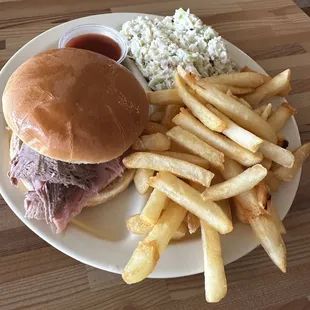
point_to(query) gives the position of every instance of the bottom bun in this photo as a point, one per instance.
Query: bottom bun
(108, 193)
(112, 190)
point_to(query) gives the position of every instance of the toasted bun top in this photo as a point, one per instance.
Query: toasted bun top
(75, 105)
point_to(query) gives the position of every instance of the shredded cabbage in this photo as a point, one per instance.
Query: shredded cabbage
(159, 46)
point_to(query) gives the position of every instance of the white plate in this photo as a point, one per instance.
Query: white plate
(179, 259)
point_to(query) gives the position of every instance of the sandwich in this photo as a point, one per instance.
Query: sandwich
(73, 115)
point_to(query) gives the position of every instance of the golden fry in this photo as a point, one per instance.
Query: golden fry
(247, 200)
(193, 222)
(267, 112)
(229, 106)
(141, 180)
(147, 254)
(238, 134)
(194, 159)
(226, 146)
(287, 174)
(138, 227)
(239, 79)
(190, 199)
(152, 128)
(270, 238)
(153, 207)
(170, 112)
(214, 272)
(198, 109)
(176, 166)
(224, 88)
(279, 83)
(280, 116)
(277, 154)
(197, 146)
(164, 97)
(153, 142)
(266, 78)
(236, 185)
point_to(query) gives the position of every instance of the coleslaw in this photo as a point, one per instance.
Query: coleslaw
(159, 46)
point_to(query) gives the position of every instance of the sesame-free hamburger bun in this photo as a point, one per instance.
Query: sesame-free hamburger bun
(75, 106)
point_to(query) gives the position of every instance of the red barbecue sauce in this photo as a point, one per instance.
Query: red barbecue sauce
(97, 43)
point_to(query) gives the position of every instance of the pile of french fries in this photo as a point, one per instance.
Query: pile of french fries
(208, 152)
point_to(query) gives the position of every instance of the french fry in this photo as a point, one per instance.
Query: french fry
(259, 110)
(272, 181)
(141, 180)
(138, 227)
(287, 174)
(266, 78)
(170, 112)
(146, 255)
(156, 116)
(280, 116)
(226, 146)
(224, 204)
(191, 200)
(270, 238)
(239, 79)
(245, 103)
(224, 88)
(164, 97)
(277, 154)
(267, 112)
(193, 222)
(197, 146)
(153, 207)
(198, 109)
(180, 232)
(264, 198)
(241, 100)
(196, 160)
(229, 106)
(247, 200)
(241, 214)
(285, 92)
(238, 134)
(176, 166)
(263, 195)
(214, 272)
(236, 185)
(276, 85)
(153, 142)
(153, 128)
(276, 218)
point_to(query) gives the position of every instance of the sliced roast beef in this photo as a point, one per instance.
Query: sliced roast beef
(60, 190)
(34, 206)
(29, 165)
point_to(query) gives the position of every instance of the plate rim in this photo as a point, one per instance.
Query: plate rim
(63, 248)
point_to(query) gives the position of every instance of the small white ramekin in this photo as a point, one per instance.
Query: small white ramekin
(97, 29)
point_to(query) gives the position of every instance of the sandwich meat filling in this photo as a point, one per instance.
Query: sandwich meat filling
(60, 189)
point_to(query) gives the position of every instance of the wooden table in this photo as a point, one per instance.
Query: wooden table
(33, 275)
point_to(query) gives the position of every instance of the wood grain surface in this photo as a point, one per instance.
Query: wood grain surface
(33, 275)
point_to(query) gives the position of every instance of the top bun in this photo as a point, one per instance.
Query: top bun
(75, 106)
